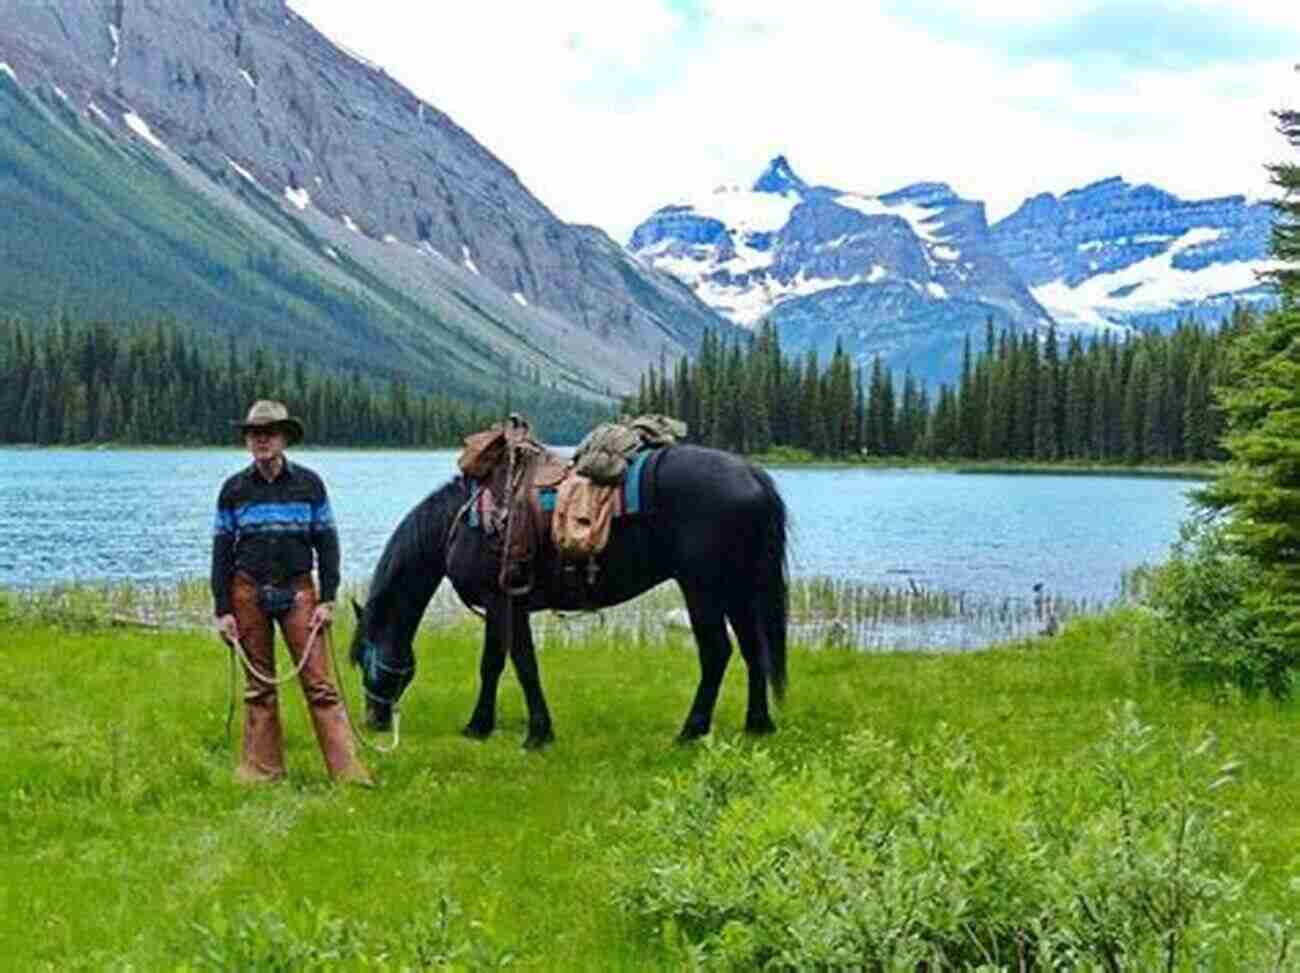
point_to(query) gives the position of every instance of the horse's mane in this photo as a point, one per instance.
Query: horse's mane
(419, 536)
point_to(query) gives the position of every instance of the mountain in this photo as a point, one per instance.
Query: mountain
(905, 275)
(1112, 253)
(223, 163)
(908, 274)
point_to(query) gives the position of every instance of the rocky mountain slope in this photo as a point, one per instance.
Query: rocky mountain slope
(1112, 253)
(904, 275)
(908, 274)
(227, 142)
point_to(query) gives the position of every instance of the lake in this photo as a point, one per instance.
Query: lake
(145, 516)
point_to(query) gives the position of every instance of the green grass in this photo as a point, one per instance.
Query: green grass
(128, 844)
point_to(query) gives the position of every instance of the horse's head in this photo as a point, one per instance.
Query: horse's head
(386, 663)
(410, 568)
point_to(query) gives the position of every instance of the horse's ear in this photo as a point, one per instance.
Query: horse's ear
(358, 609)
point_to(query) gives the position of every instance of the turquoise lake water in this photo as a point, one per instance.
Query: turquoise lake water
(146, 517)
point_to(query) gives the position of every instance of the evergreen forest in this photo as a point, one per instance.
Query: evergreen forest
(71, 383)
(1143, 398)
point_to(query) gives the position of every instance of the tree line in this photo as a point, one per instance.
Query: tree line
(1021, 395)
(94, 382)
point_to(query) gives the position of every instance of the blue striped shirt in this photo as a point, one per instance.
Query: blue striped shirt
(273, 530)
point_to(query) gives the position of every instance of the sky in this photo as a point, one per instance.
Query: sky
(609, 109)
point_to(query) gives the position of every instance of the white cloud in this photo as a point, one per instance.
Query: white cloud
(855, 98)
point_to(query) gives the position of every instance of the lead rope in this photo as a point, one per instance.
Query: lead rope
(237, 649)
(338, 677)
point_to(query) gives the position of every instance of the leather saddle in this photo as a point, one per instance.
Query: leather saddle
(511, 469)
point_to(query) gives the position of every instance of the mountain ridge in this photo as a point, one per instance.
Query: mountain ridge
(401, 200)
(908, 274)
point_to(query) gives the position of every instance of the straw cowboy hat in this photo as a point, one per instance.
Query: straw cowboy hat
(273, 415)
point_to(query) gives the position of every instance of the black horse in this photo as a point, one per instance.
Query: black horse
(718, 528)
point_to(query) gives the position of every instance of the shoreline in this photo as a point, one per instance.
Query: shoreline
(771, 460)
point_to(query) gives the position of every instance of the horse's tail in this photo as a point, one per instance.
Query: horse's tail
(772, 584)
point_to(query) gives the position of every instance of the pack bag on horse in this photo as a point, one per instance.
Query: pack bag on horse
(707, 519)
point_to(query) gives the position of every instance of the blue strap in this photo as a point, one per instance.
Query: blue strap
(475, 490)
(632, 482)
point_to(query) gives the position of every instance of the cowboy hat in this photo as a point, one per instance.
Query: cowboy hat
(265, 413)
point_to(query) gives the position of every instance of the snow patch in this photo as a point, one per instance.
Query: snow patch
(241, 170)
(744, 211)
(61, 93)
(99, 113)
(1150, 285)
(467, 260)
(389, 238)
(141, 128)
(347, 221)
(747, 304)
(943, 252)
(249, 78)
(117, 45)
(331, 253)
(937, 290)
(299, 197)
(919, 217)
(519, 298)
(6, 69)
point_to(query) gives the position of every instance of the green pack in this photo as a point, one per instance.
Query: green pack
(604, 453)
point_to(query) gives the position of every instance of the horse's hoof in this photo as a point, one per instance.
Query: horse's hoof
(760, 728)
(538, 741)
(476, 732)
(379, 726)
(690, 734)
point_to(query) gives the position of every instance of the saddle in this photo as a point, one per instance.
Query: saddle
(535, 501)
(510, 468)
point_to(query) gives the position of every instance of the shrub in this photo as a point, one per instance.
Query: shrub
(1211, 625)
(883, 857)
(307, 938)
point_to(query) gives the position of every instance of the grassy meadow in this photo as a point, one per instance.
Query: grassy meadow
(128, 845)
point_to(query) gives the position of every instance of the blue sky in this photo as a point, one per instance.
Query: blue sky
(609, 110)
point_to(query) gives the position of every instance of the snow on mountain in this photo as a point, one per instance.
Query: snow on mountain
(905, 274)
(908, 274)
(1112, 254)
(1153, 286)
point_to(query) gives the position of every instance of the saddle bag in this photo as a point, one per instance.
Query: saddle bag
(584, 514)
(603, 454)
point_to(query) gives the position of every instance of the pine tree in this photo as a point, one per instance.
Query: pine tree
(967, 405)
(1134, 421)
(1196, 412)
(1261, 402)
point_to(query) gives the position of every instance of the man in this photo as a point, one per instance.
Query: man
(272, 517)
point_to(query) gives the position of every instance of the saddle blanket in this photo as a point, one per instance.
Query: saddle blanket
(636, 494)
